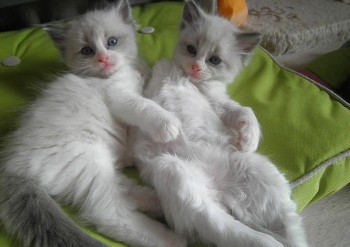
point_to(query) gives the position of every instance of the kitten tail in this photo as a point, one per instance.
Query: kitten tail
(30, 214)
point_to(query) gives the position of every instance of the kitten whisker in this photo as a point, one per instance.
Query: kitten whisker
(83, 71)
(241, 53)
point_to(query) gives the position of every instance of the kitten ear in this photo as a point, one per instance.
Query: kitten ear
(248, 41)
(57, 32)
(124, 11)
(208, 6)
(192, 13)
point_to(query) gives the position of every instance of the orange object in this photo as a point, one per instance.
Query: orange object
(234, 10)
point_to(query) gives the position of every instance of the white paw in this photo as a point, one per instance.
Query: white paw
(168, 130)
(265, 240)
(248, 130)
(174, 240)
(257, 240)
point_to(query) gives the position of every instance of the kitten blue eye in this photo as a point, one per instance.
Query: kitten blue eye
(215, 60)
(86, 51)
(191, 50)
(112, 41)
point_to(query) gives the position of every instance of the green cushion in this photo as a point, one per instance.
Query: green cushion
(305, 130)
(333, 67)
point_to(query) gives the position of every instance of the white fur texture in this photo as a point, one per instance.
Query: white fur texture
(73, 138)
(210, 182)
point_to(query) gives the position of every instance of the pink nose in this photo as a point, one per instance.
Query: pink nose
(196, 67)
(102, 58)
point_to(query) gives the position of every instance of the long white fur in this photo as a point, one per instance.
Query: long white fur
(211, 183)
(73, 138)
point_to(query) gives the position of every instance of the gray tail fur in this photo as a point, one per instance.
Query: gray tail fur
(28, 213)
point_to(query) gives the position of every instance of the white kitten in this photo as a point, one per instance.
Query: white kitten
(72, 143)
(207, 187)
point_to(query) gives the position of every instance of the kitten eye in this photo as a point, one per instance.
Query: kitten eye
(86, 51)
(191, 50)
(112, 41)
(215, 60)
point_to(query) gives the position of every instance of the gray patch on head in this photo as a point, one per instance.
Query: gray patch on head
(57, 32)
(248, 40)
(125, 11)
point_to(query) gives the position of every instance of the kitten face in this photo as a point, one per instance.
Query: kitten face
(211, 47)
(98, 43)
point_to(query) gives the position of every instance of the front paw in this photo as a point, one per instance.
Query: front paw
(167, 130)
(247, 127)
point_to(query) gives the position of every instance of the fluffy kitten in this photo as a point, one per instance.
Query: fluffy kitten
(73, 140)
(212, 185)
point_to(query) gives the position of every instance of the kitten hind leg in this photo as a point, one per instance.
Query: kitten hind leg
(259, 195)
(191, 205)
(115, 214)
(102, 196)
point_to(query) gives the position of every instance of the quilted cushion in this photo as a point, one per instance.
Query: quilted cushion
(305, 128)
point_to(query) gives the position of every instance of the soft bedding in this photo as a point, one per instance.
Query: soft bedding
(305, 128)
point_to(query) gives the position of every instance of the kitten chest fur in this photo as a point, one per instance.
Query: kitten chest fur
(200, 123)
(74, 110)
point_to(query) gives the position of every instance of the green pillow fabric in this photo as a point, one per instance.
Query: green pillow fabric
(333, 67)
(305, 130)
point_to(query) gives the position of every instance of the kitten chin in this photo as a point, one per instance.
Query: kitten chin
(196, 79)
(107, 70)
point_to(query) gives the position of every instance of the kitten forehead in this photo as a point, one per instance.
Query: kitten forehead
(211, 34)
(104, 21)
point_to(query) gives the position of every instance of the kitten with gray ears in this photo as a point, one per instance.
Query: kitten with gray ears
(212, 184)
(72, 143)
